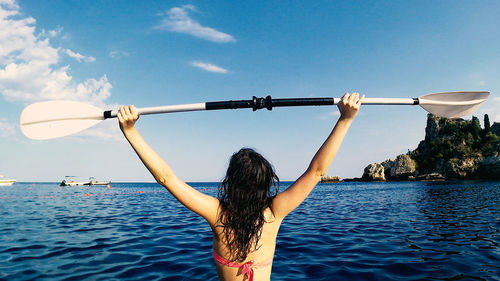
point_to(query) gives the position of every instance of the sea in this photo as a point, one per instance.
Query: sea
(342, 231)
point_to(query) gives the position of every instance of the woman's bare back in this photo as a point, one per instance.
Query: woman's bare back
(264, 253)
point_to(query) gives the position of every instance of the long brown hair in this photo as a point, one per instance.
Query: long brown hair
(244, 194)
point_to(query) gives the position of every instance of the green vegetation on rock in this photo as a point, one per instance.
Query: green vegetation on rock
(451, 145)
(452, 149)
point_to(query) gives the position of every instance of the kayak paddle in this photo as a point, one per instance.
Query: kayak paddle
(54, 119)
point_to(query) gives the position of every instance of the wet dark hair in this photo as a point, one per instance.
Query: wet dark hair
(244, 194)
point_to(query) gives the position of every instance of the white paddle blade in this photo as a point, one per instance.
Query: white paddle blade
(452, 104)
(55, 119)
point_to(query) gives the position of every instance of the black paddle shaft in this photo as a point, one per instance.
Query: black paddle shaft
(258, 103)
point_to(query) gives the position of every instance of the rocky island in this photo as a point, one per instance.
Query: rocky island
(330, 179)
(452, 149)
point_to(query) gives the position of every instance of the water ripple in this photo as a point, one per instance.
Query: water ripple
(346, 231)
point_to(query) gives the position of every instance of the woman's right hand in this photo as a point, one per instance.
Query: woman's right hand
(127, 116)
(349, 105)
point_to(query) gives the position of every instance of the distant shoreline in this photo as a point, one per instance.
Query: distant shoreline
(346, 180)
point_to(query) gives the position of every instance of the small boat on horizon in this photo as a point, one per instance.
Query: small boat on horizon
(6, 182)
(91, 182)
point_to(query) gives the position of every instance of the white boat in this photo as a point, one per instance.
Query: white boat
(73, 183)
(93, 181)
(6, 182)
(69, 182)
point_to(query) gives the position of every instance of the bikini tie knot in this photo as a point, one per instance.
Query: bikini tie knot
(247, 270)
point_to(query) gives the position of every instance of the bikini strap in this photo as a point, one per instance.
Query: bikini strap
(246, 268)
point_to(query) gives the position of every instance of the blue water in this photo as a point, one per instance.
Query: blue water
(346, 231)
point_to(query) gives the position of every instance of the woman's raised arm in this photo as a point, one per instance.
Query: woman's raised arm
(202, 204)
(288, 200)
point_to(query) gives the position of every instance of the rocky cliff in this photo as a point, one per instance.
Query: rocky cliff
(452, 149)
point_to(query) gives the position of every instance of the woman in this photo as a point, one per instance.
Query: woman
(246, 217)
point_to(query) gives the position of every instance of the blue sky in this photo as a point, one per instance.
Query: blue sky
(151, 53)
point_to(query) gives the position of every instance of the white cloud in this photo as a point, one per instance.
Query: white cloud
(55, 32)
(51, 33)
(79, 57)
(118, 54)
(6, 129)
(30, 67)
(209, 67)
(329, 115)
(9, 4)
(177, 19)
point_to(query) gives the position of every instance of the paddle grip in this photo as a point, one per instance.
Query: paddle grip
(259, 103)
